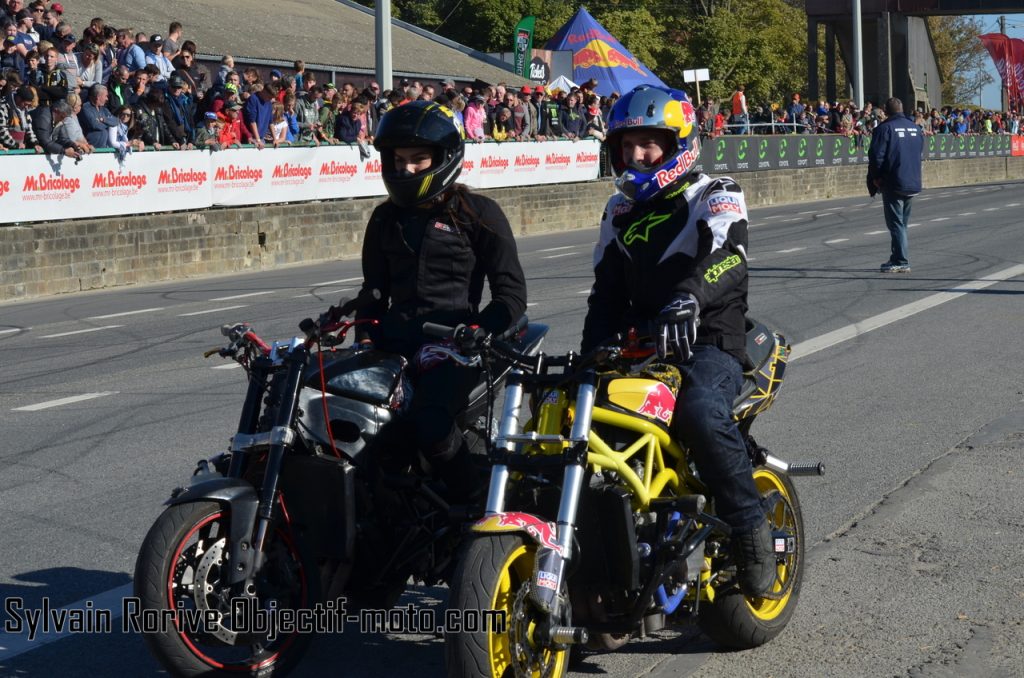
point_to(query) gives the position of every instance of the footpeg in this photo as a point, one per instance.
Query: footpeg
(569, 635)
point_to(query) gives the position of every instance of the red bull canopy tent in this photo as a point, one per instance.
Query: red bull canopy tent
(598, 55)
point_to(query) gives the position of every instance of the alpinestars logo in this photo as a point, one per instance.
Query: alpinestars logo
(641, 230)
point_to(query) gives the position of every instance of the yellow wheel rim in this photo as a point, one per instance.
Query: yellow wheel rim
(781, 517)
(517, 570)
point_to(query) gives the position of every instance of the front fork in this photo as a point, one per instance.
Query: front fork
(550, 563)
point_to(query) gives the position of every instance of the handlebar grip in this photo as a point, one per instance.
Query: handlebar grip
(806, 468)
(436, 330)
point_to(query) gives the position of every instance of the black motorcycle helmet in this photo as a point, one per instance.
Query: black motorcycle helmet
(419, 123)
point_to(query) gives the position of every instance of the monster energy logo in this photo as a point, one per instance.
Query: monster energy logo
(714, 273)
(633, 233)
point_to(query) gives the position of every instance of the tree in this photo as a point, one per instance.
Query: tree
(961, 56)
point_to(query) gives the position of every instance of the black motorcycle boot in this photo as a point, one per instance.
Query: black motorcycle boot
(755, 560)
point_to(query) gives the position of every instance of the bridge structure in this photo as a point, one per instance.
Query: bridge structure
(899, 55)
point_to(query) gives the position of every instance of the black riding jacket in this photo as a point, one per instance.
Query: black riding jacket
(652, 252)
(429, 266)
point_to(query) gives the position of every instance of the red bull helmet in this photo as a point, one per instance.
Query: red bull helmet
(419, 123)
(653, 107)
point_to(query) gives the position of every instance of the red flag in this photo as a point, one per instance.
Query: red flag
(998, 46)
(1017, 52)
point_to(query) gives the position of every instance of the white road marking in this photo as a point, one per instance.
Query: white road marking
(792, 249)
(811, 346)
(118, 315)
(786, 221)
(921, 199)
(242, 296)
(531, 304)
(967, 214)
(336, 282)
(16, 329)
(774, 216)
(1013, 204)
(91, 329)
(830, 242)
(875, 232)
(941, 219)
(913, 225)
(212, 310)
(558, 256)
(57, 403)
(14, 644)
(555, 249)
(583, 292)
(992, 209)
(226, 366)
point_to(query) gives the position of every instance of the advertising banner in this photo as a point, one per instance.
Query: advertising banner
(522, 45)
(41, 188)
(45, 188)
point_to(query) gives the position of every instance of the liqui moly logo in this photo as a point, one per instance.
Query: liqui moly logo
(557, 160)
(527, 161)
(659, 403)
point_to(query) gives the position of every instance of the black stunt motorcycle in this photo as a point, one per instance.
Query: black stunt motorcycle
(309, 504)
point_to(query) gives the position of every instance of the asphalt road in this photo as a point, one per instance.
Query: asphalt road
(908, 387)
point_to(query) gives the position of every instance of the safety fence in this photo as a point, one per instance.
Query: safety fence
(48, 188)
(796, 151)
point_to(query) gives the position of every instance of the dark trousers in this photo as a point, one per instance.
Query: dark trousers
(897, 217)
(703, 423)
(439, 394)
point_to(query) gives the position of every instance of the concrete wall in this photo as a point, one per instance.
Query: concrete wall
(58, 257)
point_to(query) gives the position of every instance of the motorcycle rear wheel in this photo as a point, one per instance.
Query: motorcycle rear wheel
(180, 567)
(743, 622)
(492, 575)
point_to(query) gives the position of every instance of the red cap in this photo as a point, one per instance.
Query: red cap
(539, 89)
(525, 90)
(57, 7)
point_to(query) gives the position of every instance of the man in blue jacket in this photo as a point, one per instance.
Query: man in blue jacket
(894, 167)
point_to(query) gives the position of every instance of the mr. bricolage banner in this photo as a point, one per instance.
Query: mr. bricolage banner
(43, 188)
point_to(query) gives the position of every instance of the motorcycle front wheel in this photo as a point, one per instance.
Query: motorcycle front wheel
(743, 622)
(492, 580)
(181, 578)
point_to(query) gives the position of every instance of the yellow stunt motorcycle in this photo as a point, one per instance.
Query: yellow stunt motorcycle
(597, 528)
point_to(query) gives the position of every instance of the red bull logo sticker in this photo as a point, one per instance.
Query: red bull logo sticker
(602, 55)
(544, 533)
(659, 403)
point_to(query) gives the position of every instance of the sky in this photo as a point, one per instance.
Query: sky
(1015, 29)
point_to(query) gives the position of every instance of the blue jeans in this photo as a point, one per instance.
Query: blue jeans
(703, 423)
(897, 216)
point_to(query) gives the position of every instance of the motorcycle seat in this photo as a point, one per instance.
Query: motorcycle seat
(760, 345)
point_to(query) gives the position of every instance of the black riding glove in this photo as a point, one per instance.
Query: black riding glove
(676, 328)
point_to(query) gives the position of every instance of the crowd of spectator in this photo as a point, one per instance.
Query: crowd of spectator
(115, 88)
(824, 117)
